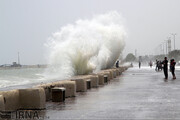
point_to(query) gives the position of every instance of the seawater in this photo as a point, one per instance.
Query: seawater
(21, 76)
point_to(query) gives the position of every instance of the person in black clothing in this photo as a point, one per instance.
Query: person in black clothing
(157, 63)
(117, 64)
(160, 66)
(165, 63)
(172, 67)
(139, 64)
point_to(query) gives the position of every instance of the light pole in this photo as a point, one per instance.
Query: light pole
(162, 48)
(174, 35)
(169, 44)
(166, 46)
(18, 59)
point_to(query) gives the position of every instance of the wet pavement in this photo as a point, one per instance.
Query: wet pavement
(137, 94)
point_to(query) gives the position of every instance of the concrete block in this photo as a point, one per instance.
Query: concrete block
(121, 69)
(94, 79)
(117, 72)
(58, 94)
(69, 85)
(2, 105)
(101, 78)
(88, 83)
(11, 100)
(32, 98)
(114, 73)
(105, 78)
(111, 74)
(47, 89)
(81, 85)
(106, 73)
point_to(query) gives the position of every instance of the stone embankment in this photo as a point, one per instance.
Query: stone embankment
(35, 98)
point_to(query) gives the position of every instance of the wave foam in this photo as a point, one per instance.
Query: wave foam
(86, 46)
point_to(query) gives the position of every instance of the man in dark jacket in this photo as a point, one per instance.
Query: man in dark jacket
(172, 67)
(165, 63)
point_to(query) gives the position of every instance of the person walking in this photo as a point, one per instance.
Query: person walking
(160, 66)
(172, 64)
(150, 64)
(157, 63)
(117, 64)
(165, 63)
(139, 64)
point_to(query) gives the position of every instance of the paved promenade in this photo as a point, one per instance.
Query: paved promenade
(137, 94)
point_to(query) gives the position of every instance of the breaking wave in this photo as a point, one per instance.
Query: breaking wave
(86, 46)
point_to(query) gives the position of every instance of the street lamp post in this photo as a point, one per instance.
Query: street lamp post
(166, 41)
(174, 35)
(163, 48)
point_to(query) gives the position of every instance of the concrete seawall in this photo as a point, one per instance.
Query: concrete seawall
(36, 97)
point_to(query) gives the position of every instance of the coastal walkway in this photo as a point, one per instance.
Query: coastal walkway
(136, 94)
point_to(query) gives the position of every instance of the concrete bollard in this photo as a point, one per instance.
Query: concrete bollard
(58, 94)
(69, 85)
(94, 79)
(106, 73)
(2, 105)
(101, 78)
(105, 78)
(47, 89)
(70, 88)
(11, 100)
(88, 83)
(117, 72)
(114, 73)
(121, 69)
(110, 73)
(81, 85)
(32, 98)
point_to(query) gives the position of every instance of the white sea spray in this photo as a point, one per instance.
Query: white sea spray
(86, 46)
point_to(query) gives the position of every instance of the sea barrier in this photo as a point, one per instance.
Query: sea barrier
(10, 100)
(2, 105)
(31, 98)
(36, 97)
(68, 84)
(106, 73)
(111, 75)
(81, 84)
(101, 78)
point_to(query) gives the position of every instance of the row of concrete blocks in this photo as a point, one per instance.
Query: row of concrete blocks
(35, 98)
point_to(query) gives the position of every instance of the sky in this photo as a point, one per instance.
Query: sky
(26, 25)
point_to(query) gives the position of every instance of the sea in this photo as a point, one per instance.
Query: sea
(21, 77)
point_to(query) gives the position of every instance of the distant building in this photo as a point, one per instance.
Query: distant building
(6, 65)
(15, 65)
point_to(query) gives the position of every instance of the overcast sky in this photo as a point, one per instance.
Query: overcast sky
(25, 25)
